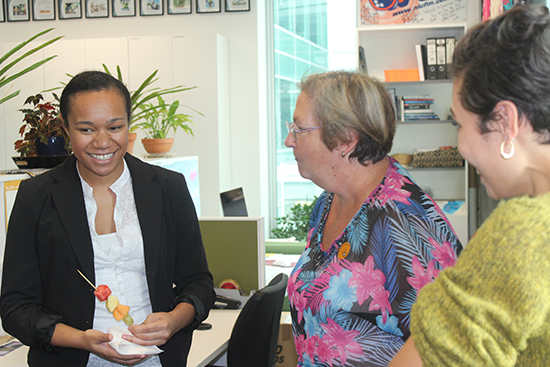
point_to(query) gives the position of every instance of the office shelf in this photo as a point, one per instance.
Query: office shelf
(393, 47)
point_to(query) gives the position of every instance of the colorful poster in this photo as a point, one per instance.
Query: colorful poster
(18, 10)
(70, 9)
(383, 12)
(124, 8)
(43, 10)
(179, 6)
(493, 8)
(97, 9)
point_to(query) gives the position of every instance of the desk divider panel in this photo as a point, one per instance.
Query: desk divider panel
(235, 249)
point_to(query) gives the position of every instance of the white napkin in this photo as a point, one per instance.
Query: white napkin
(124, 347)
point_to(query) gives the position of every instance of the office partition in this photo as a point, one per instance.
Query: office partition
(235, 250)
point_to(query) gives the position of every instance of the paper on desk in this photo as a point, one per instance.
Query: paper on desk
(282, 260)
(124, 347)
(8, 344)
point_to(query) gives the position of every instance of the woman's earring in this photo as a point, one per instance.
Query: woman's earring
(343, 153)
(503, 153)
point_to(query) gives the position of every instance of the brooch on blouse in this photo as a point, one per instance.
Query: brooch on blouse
(344, 250)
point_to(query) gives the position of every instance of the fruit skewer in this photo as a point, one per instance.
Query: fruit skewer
(103, 293)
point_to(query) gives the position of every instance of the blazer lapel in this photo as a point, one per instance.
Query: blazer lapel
(69, 201)
(148, 198)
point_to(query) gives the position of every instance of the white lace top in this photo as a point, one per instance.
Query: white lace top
(119, 262)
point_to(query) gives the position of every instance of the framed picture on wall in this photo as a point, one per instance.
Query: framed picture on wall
(237, 5)
(208, 6)
(124, 8)
(179, 6)
(70, 9)
(151, 7)
(2, 12)
(17, 10)
(43, 10)
(97, 8)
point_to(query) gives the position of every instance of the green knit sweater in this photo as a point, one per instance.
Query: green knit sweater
(493, 307)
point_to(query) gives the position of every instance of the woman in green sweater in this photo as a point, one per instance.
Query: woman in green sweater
(493, 307)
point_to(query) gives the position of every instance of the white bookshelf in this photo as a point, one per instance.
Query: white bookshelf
(393, 47)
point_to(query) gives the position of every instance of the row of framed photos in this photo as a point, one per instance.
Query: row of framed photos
(19, 10)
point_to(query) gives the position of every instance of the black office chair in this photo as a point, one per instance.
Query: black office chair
(253, 341)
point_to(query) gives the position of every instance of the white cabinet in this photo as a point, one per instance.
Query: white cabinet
(393, 47)
(9, 184)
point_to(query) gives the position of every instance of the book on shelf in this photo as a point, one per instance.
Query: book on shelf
(416, 101)
(414, 97)
(419, 114)
(417, 111)
(450, 49)
(421, 118)
(393, 97)
(431, 58)
(419, 102)
(416, 107)
(441, 52)
(431, 116)
(362, 60)
(439, 55)
(421, 61)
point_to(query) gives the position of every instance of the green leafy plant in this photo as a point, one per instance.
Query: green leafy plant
(145, 94)
(295, 224)
(41, 122)
(13, 53)
(160, 118)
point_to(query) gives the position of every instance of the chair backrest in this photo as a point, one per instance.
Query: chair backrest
(253, 341)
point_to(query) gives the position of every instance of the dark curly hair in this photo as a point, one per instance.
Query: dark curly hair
(507, 58)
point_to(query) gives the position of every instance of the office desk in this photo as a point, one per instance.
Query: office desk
(207, 345)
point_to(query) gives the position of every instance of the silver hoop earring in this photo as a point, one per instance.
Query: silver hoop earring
(503, 153)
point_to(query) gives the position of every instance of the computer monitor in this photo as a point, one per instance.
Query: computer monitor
(233, 203)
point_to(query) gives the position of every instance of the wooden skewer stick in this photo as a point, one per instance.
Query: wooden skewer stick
(86, 279)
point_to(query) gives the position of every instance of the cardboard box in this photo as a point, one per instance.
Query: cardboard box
(286, 351)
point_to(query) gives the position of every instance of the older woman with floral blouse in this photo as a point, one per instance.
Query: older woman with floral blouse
(375, 237)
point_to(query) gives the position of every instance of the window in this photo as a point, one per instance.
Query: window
(309, 36)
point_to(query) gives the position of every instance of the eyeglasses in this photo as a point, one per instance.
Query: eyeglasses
(293, 131)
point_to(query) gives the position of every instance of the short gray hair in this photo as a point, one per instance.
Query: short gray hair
(347, 104)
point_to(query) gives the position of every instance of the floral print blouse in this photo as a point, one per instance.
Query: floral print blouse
(351, 305)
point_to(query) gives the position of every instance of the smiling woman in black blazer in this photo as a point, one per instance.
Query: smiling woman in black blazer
(62, 218)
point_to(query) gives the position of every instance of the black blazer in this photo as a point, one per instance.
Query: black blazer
(49, 239)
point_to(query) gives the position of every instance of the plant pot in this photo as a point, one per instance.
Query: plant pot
(131, 141)
(55, 146)
(49, 161)
(157, 145)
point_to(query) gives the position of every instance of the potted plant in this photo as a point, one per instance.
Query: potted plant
(141, 96)
(5, 79)
(158, 120)
(42, 133)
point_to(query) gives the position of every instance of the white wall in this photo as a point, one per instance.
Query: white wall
(216, 52)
